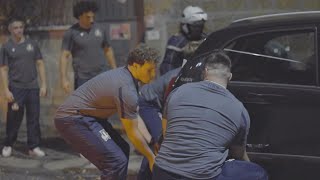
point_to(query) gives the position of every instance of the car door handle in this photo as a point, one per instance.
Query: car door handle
(266, 95)
(254, 98)
(258, 146)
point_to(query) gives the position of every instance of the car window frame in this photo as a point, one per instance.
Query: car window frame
(293, 29)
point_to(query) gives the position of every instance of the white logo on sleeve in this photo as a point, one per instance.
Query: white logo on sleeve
(104, 135)
(98, 33)
(29, 47)
(82, 34)
(13, 49)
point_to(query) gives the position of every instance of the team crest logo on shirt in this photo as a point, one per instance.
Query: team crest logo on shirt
(13, 49)
(82, 34)
(98, 33)
(29, 47)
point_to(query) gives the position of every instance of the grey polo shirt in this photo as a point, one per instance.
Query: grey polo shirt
(87, 49)
(204, 119)
(109, 92)
(154, 92)
(21, 59)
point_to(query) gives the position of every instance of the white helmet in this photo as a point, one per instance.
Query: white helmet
(192, 14)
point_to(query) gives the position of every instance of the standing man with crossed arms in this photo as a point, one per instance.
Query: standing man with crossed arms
(86, 43)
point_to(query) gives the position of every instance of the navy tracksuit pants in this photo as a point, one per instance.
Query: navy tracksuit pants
(26, 99)
(99, 143)
(231, 170)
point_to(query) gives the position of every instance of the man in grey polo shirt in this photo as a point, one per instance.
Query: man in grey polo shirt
(205, 122)
(152, 97)
(82, 118)
(19, 59)
(87, 44)
(151, 100)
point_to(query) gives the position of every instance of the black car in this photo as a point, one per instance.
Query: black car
(275, 66)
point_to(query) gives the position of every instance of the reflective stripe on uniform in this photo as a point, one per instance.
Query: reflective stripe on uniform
(174, 48)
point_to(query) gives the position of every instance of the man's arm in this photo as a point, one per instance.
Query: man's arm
(239, 153)
(143, 130)
(108, 51)
(173, 55)
(238, 147)
(43, 79)
(164, 115)
(164, 126)
(4, 73)
(138, 141)
(64, 62)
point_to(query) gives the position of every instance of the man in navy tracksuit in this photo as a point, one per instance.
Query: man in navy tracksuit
(151, 102)
(180, 47)
(19, 59)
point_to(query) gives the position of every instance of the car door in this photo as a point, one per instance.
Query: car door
(275, 75)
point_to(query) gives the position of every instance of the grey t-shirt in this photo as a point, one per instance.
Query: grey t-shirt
(87, 49)
(204, 119)
(109, 92)
(21, 59)
(154, 92)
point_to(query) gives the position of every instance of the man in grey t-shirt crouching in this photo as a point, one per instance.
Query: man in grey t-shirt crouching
(205, 123)
(82, 120)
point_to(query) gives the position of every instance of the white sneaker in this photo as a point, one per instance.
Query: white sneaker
(6, 151)
(37, 152)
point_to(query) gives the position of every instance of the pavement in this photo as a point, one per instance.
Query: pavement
(60, 163)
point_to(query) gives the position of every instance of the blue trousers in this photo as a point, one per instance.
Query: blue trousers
(231, 170)
(99, 143)
(149, 114)
(26, 99)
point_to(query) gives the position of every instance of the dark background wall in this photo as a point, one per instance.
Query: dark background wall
(48, 19)
(167, 13)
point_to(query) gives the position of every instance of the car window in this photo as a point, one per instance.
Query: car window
(274, 57)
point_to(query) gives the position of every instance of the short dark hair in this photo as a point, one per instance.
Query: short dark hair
(143, 53)
(83, 7)
(218, 60)
(15, 19)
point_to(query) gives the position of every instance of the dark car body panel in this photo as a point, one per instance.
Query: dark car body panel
(285, 117)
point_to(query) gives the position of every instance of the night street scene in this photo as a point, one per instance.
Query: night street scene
(159, 90)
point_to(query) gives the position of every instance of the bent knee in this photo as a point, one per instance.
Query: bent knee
(123, 162)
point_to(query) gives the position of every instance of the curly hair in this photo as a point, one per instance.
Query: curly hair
(143, 53)
(83, 7)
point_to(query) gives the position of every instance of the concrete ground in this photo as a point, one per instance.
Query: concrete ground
(60, 163)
